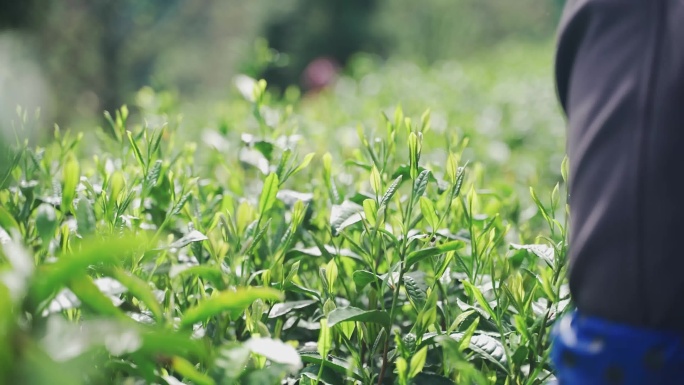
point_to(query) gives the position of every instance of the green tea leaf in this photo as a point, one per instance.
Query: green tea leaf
(451, 347)
(348, 328)
(268, 193)
(329, 306)
(324, 338)
(153, 174)
(460, 319)
(414, 154)
(464, 343)
(141, 290)
(305, 162)
(391, 191)
(344, 215)
(546, 253)
(52, 277)
(417, 362)
(427, 208)
(233, 301)
(136, 149)
(452, 167)
(161, 342)
(46, 222)
(280, 309)
(375, 180)
(331, 275)
(419, 255)
(402, 369)
(7, 221)
(315, 251)
(417, 296)
(89, 294)
(188, 370)
(71, 174)
(420, 184)
(370, 209)
(211, 273)
(477, 294)
(303, 290)
(254, 242)
(179, 205)
(117, 184)
(85, 217)
(344, 314)
(275, 351)
(327, 166)
(522, 327)
(363, 278)
(490, 349)
(191, 237)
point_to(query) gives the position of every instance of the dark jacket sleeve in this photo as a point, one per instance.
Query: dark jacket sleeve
(620, 80)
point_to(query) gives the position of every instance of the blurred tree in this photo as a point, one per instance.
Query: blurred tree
(97, 53)
(306, 30)
(18, 14)
(427, 31)
(433, 30)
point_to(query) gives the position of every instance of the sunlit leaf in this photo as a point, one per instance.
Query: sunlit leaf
(314, 251)
(355, 314)
(85, 217)
(71, 174)
(477, 295)
(417, 362)
(268, 193)
(363, 278)
(546, 253)
(344, 215)
(233, 301)
(324, 338)
(188, 370)
(281, 309)
(427, 208)
(419, 255)
(52, 277)
(276, 351)
(46, 222)
(191, 237)
(92, 297)
(141, 290)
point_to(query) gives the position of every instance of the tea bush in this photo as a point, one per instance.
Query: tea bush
(275, 249)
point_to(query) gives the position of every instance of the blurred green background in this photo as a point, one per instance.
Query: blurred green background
(76, 58)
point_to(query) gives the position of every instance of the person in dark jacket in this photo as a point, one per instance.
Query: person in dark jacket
(620, 81)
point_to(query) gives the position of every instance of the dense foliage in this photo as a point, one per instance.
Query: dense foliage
(277, 249)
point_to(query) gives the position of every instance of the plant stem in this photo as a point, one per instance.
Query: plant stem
(320, 371)
(395, 296)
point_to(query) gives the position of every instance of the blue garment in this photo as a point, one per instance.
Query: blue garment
(592, 351)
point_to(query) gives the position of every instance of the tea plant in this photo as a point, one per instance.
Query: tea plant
(138, 257)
